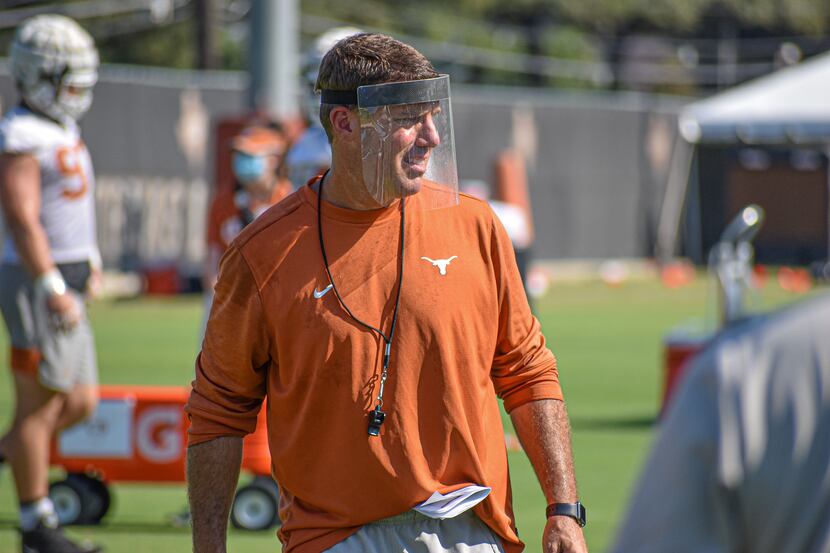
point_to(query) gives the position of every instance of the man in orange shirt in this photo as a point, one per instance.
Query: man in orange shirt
(381, 313)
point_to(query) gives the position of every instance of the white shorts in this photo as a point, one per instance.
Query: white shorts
(60, 359)
(413, 532)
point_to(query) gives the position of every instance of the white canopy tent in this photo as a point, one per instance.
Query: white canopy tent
(790, 106)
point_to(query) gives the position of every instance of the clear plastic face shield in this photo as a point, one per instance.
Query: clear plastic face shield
(406, 142)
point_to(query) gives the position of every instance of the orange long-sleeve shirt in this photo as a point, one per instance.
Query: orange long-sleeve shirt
(464, 335)
(224, 220)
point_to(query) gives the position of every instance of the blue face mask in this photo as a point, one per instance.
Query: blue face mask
(247, 168)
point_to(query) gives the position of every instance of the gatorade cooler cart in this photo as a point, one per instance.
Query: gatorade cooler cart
(730, 261)
(139, 434)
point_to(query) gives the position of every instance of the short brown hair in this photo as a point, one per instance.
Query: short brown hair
(366, 59)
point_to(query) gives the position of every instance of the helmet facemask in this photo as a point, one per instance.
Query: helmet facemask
(55, 65)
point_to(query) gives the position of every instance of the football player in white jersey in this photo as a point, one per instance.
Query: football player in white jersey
(310, 155)
(47, 198)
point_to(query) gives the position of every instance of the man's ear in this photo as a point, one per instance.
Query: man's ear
(341, 120)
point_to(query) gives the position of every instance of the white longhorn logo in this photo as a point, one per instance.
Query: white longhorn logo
(440, 263)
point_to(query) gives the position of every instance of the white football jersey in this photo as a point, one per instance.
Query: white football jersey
(67, 183)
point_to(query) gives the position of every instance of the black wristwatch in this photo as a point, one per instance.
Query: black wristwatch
(574, 510)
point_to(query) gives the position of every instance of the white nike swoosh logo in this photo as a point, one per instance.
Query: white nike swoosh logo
(320, 293)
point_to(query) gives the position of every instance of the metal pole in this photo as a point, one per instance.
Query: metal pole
(206, 34)
(273, 64)
(674, 197)
(727, 54)
(827, 263)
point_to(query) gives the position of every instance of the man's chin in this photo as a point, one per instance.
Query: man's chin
(408, 185)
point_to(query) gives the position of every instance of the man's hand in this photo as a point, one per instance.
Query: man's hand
(563, 535)
(63, 310)
(63, 307)
(95, 283)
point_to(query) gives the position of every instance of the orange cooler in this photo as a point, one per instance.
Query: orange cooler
(679, 350)
(139, 434)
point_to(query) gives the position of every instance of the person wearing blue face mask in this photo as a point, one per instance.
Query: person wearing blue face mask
(257, 165)
(249, 169)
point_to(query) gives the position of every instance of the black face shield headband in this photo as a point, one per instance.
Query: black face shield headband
(390, 94)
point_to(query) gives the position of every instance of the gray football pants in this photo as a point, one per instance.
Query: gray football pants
(412, 532)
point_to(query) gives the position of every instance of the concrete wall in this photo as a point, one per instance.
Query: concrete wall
(596, 161)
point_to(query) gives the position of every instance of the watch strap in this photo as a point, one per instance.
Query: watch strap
(574, 510)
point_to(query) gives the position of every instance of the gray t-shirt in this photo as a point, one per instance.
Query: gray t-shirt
(742, 460)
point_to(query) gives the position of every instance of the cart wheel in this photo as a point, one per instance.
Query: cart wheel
(255, 505)
(79, 499)
(100, 501)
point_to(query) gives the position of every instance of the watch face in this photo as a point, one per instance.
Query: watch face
(582, 518)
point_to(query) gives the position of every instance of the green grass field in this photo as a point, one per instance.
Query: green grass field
(608, 342)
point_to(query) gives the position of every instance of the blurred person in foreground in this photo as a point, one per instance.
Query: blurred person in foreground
(380, 313)
(257, 154)
(742, 459)
(50, 255)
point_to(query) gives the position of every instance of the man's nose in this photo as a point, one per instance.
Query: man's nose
(428, 136)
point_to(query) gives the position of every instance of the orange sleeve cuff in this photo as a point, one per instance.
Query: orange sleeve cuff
(204, 428)
(194, 439)
(545, 390)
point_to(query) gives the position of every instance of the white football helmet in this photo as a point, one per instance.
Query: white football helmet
(311, 66)
(55, 65)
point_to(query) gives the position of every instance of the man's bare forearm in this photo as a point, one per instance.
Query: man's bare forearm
(543, 429)
(33, 247)
(212, 473)
(20, 201)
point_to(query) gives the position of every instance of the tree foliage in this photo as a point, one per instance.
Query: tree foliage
(578, 30)
(800, 16)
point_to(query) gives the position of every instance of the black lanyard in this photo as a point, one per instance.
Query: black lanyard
(376, 416)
